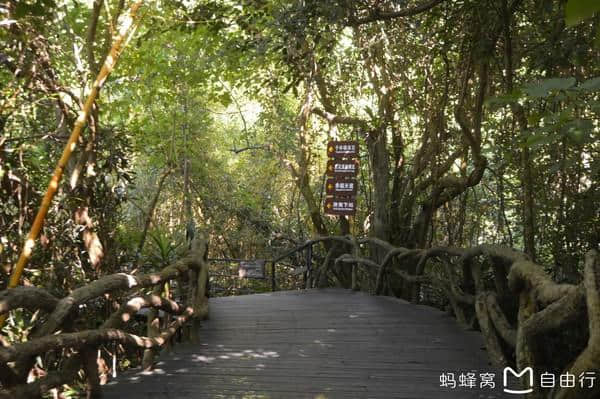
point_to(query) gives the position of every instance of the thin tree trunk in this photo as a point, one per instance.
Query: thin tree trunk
(150, 213)
(528, 204)
(526, 172)
(301, 173)
(380, 170)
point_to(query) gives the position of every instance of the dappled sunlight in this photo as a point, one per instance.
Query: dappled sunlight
(203, 359)
(131, 280)
(154, 371)
(322, 344)
(230, 354)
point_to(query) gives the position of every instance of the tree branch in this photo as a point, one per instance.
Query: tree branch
(89, 338)
(119, 281)
(378, 15)
(251, 147)
(30, 298)
(129, 309)
(340, 119)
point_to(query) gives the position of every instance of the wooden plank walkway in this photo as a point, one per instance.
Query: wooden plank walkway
(316, 344)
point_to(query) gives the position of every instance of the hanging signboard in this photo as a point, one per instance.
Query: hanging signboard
(340, 206)
(252, 269)
(342, 149)
(341, 187)
(340, 168)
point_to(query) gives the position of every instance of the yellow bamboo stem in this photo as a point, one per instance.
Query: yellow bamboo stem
(109, 64)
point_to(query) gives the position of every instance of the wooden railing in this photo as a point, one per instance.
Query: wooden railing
(511, 300)
(77, 349)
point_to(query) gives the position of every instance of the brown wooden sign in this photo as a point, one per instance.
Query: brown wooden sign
(340, 206)
(341, 168)
(252, 269)
(341, 187)
(342, 149)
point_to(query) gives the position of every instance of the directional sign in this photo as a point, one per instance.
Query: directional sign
(342, 149)
(341, 187)
(341, 168)
(340, 206)
(252, 269)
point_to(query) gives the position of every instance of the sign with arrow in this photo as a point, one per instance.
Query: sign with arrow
(340, 206)
(342, 168)
(341, 187)
(342, 149)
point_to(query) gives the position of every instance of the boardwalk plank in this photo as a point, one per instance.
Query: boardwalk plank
(315, 344)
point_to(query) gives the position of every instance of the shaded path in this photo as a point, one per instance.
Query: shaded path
(299, 344)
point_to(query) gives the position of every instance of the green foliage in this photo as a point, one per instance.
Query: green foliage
(163, 251)
(547, 86)
(37, 8)
(578, 10)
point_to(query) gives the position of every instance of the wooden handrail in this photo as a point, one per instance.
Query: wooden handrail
(192, 268)
(544, 305)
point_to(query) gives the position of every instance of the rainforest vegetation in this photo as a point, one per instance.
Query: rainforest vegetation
(478, 124)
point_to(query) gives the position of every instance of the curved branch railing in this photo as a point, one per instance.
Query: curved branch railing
(539, 306)
(542, 306)
(79, 347)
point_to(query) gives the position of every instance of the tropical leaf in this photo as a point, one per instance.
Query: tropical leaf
(544, 87)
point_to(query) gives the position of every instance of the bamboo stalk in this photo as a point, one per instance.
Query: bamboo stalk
(119, 43)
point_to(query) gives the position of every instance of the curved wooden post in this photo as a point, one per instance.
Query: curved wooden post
(198, 295)
(309, 274)
(152, 330)
(356, 254)
(92, 378)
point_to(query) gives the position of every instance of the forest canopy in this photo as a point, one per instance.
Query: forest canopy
(478, 123)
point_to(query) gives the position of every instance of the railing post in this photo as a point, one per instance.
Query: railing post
(308, 267)
(198, 283)
(92, 377)
(273, 276)
(153, 330)
(356, 254)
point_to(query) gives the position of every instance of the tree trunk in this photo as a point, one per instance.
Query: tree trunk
(150, 213)
(528, 203)
(526, 172)
(380, 170)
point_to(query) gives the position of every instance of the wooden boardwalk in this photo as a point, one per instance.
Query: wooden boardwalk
(316, 344)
